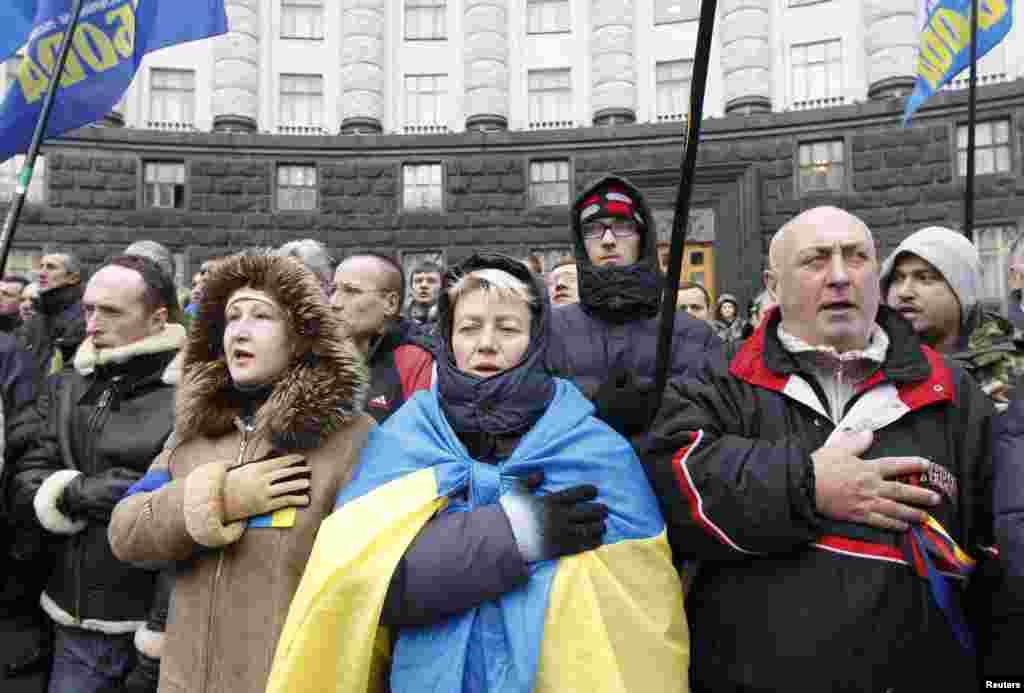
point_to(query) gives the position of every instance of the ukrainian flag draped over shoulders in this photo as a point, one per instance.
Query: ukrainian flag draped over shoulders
(944, 49)
(604, 621)
(109, 43)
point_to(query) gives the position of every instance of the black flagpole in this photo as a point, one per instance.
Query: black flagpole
(25, 175)
(680, 222)
(972, 106)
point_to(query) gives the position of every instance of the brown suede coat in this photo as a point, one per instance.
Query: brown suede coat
(233, 583)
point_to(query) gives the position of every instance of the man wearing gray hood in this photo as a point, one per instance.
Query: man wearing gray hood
(933, 279)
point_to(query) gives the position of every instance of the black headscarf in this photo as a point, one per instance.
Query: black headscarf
(510, 402)
(619, 294)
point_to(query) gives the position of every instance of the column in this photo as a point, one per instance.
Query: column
(236, 69)
(485, 55)
(613, 74)
(362, 66)
(891, 45)
(746, 55)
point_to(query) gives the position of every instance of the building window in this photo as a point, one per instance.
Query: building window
(296, 187)
(547, 16)
(165, 184)
(9, 171)
(991, 147)
(817, 74)
(302, 19)
(550, 98)
(302, 105)
(994, 244)
(549, 182)
(172, 99)
(822, 166)
(697, 257)
(424, 19)
(669, 11)
(673, 89)
(425, 97)
(423, 184)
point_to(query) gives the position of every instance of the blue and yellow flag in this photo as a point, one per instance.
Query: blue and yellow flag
(15, 25)
(604, 621)
(945, 44)
(109, 43)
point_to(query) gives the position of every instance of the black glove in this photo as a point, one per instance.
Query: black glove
(94, 496)
(559, 524)
(623, 405)
(144, 677)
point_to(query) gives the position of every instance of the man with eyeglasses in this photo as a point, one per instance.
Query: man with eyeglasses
(606, 343)
(367, 294)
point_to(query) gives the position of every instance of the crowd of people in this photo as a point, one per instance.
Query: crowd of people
(303, 475)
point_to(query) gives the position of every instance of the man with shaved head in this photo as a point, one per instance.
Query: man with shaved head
(820, 474)
(367, 295)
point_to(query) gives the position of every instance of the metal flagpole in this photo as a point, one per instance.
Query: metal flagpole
(972, 106)
(680, 222)
(25, 175)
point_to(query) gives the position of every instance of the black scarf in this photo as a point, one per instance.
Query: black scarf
(249, 398)
(620, 294)
(510, 402)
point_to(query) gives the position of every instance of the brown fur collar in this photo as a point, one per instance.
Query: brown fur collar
(320, 391)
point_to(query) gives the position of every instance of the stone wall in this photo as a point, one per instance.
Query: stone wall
(896, 179)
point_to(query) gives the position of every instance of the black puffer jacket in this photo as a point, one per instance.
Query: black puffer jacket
(112, 411)
(786, 599)
(615, 324)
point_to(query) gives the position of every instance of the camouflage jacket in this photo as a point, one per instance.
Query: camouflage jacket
(994, 355)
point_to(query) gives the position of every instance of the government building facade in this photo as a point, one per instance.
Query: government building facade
(432, 128)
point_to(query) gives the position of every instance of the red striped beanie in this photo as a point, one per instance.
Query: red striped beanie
(612, 201)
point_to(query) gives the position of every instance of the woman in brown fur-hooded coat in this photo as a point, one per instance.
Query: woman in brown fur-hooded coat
(235, 571)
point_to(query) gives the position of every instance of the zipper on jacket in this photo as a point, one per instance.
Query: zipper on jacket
(245, 430)
(92, 431)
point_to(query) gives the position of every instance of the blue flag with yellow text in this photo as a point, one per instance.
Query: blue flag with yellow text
(109, 43)
(945, 42)
(15, 25)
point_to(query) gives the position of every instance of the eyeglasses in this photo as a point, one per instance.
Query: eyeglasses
(620, 229)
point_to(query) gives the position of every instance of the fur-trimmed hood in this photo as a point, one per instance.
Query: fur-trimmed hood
(321, 390)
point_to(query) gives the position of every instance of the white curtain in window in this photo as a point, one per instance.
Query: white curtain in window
(172, 96)
(302, 100)
(302, 19)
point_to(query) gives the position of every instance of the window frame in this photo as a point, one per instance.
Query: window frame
(278, 165)
(144, 164)
(38, 185)
(826, 98)
(797, 182)
(547, 32)
(1012, 150)
(661, 20)
(1003, 262)
(565, 120)
(281, 93)
(151, 119)
(570, 171)
(440, 6)
(303, 4)
(666, 117)
(441, 103)
(444, 177)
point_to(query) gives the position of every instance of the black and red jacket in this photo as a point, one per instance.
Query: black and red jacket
(400, 364)
(784, 598)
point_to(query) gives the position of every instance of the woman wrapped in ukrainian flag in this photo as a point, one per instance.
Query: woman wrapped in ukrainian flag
(497, 537)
